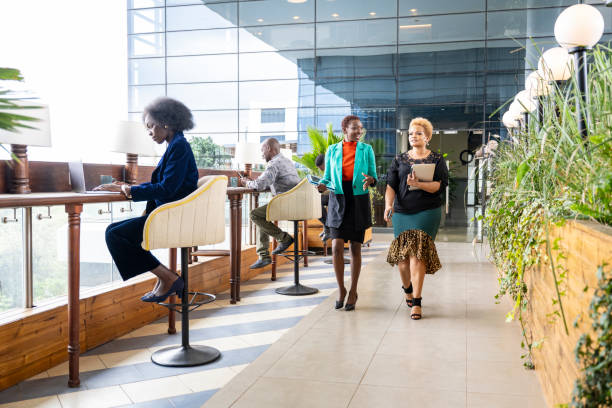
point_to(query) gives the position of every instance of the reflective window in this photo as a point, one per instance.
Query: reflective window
(517, 55)
(354, 10)
(356, 33)
(522, 23)
(215, 121)
(146, 21)
(223, 95)
(276, 65)
(517, 4)
(11, 259)
(275, 38)
(447, 88)
(140, 96)
(146, 45)
(502, 86)
(376, 118)
(201, 16)
(383, 144)
(460, 27)
(146, 71)
(361, 92)
(442, 58)
(266, 12)
(295, 120)
(202, 42)
(205, 68)
(424, 7)
(356, 62)
(276, 94)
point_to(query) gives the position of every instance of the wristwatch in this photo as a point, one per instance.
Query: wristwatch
(124, 190)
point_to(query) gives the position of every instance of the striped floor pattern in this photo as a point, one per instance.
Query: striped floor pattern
(120, 373)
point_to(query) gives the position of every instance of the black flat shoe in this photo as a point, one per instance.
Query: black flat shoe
(408, 291)
(351, 306)
(261, 263)
(282, 247)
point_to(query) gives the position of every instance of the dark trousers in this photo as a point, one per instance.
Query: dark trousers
(124, 239)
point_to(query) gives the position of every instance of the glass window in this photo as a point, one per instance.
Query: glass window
(459, 27)
(276, 94)
(356, 62)
(446, 116)
(425, 7)
(502, 86)
(140, 96)
(382, 142)
(276, 65)
(376, 118)
(266, 12)
(519, 4)
(517, 55)
(221, 41)
(522, 23)
(146, 21)
(146, 71)
(446, 88)
(295, 120)
(205, 68)
(134, 4)
(146, 45)
(356, 33)
(215, 121)
(11, 260)
(201, 16)
(361, 92)
(355, 10)
(442, 58)
(275, 38)
(223, 95)
(272, 115)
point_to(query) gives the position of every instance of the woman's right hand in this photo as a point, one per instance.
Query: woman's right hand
(321, 188)
(388, 213)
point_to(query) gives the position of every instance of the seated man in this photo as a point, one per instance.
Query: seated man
(280, 175)
(320, 163)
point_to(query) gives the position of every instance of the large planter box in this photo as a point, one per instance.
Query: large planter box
(586, 246)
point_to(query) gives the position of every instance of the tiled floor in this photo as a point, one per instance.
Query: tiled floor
(280, 351)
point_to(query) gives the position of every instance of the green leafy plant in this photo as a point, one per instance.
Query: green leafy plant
(208, 154)
(319, 143)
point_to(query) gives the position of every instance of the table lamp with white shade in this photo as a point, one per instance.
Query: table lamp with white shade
(288, 153)
(131, 138)
(248, 154)
(38, 134)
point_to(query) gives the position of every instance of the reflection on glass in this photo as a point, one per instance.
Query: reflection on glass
(424, 7)
(140, 96)
(276, 94)
(266, 12)
(205, 68)
(356, 62)
(146, 71)
(522, 23)
(275, 38)
(517, 54)
(201, 16)
(515, 4)
(134, 4)
(295, 120)
(361, 92)
(215, 121)
(459, 27)
(502, 86)
(146, 45)
(356, 33)
(354, 10)
(442, 58)
(146, 21)
(222, 95)
(276, 65)
(11, 259)
(447, 88)
(221, 41)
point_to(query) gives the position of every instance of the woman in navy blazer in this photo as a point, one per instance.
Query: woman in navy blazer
(175, 177)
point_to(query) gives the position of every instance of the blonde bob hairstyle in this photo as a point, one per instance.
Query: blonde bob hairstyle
(425, 124)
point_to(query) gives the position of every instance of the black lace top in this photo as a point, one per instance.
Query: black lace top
(410, 202)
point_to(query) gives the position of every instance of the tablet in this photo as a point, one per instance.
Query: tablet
(316, 181)
(423, 172)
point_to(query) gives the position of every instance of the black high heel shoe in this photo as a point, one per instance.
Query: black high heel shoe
(416, 316)
(340, 303)
(351, 306)
(408, 291)
(176, 288)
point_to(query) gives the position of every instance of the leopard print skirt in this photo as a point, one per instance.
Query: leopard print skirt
(418, 244)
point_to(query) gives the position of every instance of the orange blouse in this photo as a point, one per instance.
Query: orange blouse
(348, 160)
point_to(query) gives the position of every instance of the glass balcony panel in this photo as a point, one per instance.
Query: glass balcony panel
(146, 21)
(11, 259)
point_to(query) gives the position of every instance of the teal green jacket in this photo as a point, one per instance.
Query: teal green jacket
(364, 163)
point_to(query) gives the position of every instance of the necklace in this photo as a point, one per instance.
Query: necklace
(413, 156)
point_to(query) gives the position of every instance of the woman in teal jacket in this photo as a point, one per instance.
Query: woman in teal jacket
(349, 170)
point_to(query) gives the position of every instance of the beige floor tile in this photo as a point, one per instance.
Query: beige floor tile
(439, 346)
(123, 358)
(401, 371)
(326, 366)
(97, 398)
(501, 378)
(368, 396)
(475, 400)
(207, 379)
(86, 363)
(44, 374)
(283, 393)
(155, 389)
(44, 402)
(335, 340)
(221, 343)
(262, 338)
(238, 368)
(480, 348)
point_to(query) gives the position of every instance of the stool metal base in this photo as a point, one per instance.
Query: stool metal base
(296, 290)
(330, 261)
(180, 356)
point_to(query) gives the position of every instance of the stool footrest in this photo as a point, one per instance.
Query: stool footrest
(197, 299)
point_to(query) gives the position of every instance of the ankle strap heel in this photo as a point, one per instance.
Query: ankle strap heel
(408, 291)
(417, 302)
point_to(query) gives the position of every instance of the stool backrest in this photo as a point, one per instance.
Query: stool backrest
(198, 219)
(302, 202)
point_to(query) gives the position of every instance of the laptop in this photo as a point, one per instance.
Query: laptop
(77, 179)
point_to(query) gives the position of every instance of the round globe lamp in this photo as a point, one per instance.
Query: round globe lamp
(555, 65)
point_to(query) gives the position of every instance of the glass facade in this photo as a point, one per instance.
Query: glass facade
(238, 64)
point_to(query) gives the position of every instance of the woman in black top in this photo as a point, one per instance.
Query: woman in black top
(415, 213)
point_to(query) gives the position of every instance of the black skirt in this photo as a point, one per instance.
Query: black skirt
(347, 230)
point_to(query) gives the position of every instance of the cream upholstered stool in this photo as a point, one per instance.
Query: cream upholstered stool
(302, 202)
(198, 219)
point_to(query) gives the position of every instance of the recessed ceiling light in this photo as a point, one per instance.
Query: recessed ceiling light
(372, 13)
(260, 20)
(336, 15)
(297, 1)
(416, 26)
(259, 33)
(296, 17)
(413, 10)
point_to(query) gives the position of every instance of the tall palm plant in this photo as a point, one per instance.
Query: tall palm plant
(319, 143)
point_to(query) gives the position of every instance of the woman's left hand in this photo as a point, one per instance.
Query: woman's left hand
(412, 180)
(367, 181)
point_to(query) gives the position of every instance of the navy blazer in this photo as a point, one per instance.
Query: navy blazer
(175, 177)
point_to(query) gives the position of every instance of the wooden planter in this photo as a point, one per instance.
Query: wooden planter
(586, 246)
